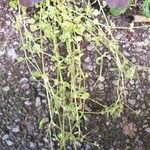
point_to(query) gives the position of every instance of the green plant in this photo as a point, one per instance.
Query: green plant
(64, 25)
(146, 8)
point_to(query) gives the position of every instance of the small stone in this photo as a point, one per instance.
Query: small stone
(6, 88)
(78, 144)
(38, 101)
(44, 101)
(28, 103)
(132, 101)
(90, 48)
(32, 145)
(126, 53)
(89, 67)
(87, 59)
(5, 137)
(42, 94)
(23, 80)
(12, 54)
(115, 82)
(147, 130)
(87, 108)
(132, 82)
(100, 86)
(2, 53)
(25, 86)
(133, 59)
(9, 142)
(16, 129)
(45, 140)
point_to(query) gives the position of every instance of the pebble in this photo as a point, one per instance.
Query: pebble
(32, 145)
(12, 54)
(16, 129)
(126, 53)
(100, 86)
(115, 82)
(23, 80)
(147, 130)
(2, 53)
(5, 137)
(42, 94)
(44, 101)
(78, 144)
(28, 103)
(25, 86)
(9, 142)
(87, 59)
(89, 67)
(132, 101)
(38, 101)
(6, 88)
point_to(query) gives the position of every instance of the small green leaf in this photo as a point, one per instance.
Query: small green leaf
(33, 27)
(85, 96)
(36, 74)
(117, 11)
(42, 122)
(146, 8)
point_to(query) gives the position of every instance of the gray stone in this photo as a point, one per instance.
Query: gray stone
(100, 86)
(89, 67)
(115, 82)
(25, 86)
(2, 52)
(87, 59)
(28, 103)
(147, 130)
(16, 129)
(12, 54)
(23, 80)
(6, 88)
(9, 142)
(32, 145)
(132, 101)
(38, 101)
(5, 137)
(78, 144)
(42, 94)
(126, 53)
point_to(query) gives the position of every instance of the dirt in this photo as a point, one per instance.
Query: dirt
(19, 124)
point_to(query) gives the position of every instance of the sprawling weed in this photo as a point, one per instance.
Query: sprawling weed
(51, 41)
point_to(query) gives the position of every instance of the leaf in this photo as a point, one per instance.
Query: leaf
(85, 96)
(28, 3)
(42, 122)
(117, 11)
(146, 8)
(33, 27)
(36, 74)
(117, 3)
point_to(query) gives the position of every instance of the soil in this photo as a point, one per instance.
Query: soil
(23, 101)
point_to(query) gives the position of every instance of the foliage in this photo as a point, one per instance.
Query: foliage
(54, 34)
(146, 8)
(117, 7)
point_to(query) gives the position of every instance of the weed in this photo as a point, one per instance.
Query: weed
(146, 8)
(64, 25)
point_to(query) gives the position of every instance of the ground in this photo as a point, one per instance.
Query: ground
(23, 101)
